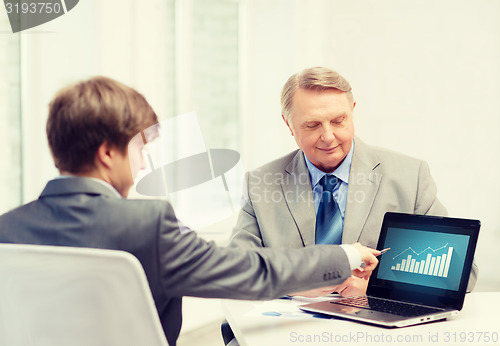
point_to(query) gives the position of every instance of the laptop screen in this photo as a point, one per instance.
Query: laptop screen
(430, 258)
(419, 257)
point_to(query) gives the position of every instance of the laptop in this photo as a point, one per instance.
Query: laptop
(422, 278)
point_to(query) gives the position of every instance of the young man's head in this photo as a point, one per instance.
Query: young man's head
(90, 126)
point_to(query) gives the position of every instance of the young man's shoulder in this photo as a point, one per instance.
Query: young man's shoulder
(136, 208)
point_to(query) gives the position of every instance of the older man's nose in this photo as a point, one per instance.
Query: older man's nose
(327, 135)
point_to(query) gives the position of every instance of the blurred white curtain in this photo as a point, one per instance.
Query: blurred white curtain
(10, 118)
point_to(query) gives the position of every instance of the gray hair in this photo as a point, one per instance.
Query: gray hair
(313, 78)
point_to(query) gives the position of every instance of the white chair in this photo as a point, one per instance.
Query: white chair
(62, 296)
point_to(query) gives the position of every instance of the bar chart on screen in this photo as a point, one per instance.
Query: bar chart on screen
(425, 262)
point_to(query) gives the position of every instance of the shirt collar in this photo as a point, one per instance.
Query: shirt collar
(342, 171)
(102, 182)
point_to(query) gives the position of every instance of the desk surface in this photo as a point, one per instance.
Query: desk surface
(280, 322)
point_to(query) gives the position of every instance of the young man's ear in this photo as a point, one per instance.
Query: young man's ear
(104, 155)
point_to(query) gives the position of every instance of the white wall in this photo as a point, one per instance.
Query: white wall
(426, 78)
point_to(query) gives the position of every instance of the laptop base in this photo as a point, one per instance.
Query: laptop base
(373, 317)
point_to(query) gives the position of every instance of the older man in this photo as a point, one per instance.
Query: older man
(285, 199)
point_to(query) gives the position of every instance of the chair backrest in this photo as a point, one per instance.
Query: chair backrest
(60, 296)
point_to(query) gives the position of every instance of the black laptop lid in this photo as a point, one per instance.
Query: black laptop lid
(429, 261)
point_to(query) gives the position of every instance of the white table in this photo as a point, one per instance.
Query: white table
(253, 323)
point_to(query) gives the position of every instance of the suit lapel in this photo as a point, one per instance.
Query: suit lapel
(299, 197)
(364, 182)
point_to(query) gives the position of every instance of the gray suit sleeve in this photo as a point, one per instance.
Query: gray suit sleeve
(427, 203)
(190, 266)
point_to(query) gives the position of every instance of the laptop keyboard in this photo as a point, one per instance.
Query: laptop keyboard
(388, 306)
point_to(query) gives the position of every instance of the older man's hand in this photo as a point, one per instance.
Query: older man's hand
(352, 286)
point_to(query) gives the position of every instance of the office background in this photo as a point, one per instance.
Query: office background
(425, 75)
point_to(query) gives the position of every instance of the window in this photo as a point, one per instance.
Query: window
(10, 118)
(207, 67)
(207, 82)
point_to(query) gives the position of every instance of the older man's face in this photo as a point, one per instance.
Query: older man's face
(321, 123)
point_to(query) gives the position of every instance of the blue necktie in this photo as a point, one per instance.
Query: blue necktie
(329, 222)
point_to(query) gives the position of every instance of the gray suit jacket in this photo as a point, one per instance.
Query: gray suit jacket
(84, 213)
(278, 208)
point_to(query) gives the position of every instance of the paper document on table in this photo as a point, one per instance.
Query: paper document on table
(299, 300)
(285, 308)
